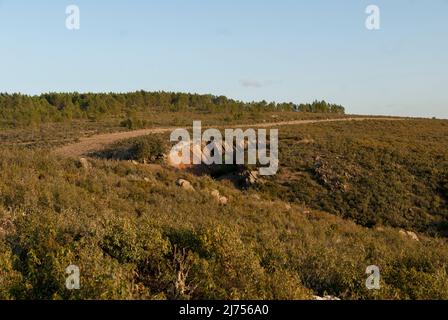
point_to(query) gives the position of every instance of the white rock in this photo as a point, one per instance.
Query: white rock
(184, 184)
(220, 199)
(409, 234)
(85, 163)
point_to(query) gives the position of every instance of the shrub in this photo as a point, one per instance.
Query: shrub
(147, 149)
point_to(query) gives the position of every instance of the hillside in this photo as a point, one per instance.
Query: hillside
(345, 194)
(373, 172)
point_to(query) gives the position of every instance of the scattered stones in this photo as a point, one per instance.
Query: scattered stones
(220, 199)
(85, 163)
(409, 234)
(184, 184)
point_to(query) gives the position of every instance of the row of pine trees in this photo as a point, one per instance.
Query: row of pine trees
(24, 110)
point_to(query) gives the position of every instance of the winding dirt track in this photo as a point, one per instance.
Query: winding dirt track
(98, 142)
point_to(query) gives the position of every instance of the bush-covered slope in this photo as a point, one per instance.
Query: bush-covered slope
(135, 234)
(373, 172)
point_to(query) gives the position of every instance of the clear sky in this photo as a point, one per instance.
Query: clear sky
(277, 50)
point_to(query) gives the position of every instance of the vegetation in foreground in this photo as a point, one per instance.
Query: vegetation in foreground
(136, 235)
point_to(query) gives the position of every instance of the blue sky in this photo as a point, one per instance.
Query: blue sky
(282, 50)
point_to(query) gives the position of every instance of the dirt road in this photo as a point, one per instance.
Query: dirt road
(98, 142)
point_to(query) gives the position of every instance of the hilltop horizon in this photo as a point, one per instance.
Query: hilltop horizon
(302, 51)
(347, 109)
